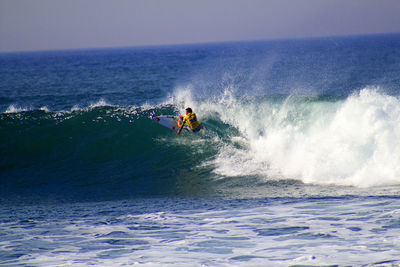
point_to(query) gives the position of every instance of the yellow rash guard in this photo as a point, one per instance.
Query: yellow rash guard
(192, 121)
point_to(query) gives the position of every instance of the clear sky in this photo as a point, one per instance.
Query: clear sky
(70, 24)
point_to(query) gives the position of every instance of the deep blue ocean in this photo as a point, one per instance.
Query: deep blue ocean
(298, 163)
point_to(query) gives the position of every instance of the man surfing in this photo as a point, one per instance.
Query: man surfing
(191, 120)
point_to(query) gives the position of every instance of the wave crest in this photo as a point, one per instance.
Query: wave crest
(343, 142)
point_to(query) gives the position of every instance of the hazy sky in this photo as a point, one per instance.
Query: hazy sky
(65, 24)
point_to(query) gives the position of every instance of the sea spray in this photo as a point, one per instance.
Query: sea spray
(350, 141)
(14, 109)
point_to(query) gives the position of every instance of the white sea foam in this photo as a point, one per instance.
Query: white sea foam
(346, 142)
(75, 108)
(15, 109)
(45, 109)
(306, 232)
(100, 103)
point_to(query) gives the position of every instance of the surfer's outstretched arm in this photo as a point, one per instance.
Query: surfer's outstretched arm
(180, 129)
(180, 125)
(179, 121)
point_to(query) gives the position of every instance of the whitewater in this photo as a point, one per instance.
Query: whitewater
(298, 162)
(313, 140)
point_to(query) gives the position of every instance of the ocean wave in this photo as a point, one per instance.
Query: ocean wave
(119, 151)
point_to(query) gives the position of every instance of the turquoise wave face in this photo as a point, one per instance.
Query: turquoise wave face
(105, 152)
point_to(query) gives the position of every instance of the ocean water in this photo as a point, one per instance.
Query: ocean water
(298, 163)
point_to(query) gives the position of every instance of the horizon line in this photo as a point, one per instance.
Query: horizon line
(196, 43)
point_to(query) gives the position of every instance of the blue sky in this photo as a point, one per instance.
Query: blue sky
(72, 24)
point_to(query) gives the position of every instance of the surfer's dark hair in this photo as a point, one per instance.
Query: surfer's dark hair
(189, 110)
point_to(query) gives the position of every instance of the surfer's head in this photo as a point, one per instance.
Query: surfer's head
(189, 110)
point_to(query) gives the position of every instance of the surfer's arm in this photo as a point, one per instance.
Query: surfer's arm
(179, 121)
(180, 127)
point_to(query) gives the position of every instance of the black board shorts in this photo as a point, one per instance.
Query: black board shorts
(198, 128)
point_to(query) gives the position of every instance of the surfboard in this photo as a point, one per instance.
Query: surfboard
(168, 121)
